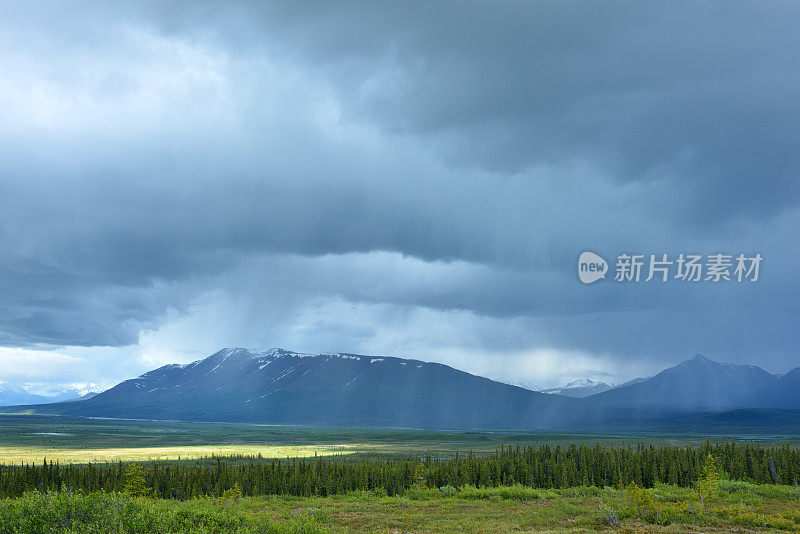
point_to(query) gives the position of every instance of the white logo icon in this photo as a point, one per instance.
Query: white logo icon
(591, 267)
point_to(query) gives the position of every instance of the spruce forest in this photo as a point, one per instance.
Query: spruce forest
(543, 467)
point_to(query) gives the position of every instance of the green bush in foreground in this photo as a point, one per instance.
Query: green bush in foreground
(38, 513)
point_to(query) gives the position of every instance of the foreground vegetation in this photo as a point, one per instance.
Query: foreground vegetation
(739, 506)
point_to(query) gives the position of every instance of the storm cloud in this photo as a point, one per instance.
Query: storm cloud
(403, 179)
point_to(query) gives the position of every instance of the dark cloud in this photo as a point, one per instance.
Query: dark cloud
(697, 95)
(397, 177)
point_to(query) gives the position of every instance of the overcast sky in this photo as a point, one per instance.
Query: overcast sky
(404, 179)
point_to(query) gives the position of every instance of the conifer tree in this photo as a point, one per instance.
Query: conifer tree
(135, 484)
(709, 483)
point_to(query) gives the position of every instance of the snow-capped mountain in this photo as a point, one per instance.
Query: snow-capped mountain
(524, 384)
(284, 387)
(579, 388)
(14, 394)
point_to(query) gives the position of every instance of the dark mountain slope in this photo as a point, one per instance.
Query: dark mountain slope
(783, 393)
(698, 383)
(281, 387)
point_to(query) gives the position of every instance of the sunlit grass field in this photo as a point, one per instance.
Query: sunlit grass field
(18, 455)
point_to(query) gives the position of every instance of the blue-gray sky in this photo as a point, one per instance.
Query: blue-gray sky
(410, 179)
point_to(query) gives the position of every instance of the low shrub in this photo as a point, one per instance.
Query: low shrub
(422, 494)
(38, 513)
(518, 492)
(448, 491)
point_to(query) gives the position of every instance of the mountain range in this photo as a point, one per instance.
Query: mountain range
(277, 386)
(12, 394)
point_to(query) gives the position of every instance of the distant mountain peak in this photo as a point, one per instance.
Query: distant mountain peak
(243, 357)
(583, 387)
(695, 383)
(695, 362)
(699, 362)
(277, 352)
(254, 353)
(697, 359)
(581, 383)
(793, 372)
(35, 393)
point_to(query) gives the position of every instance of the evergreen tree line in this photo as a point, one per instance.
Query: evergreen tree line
(539, 467)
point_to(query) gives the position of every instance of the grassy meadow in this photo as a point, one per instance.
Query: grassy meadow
(80, 440)
(737, 507)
